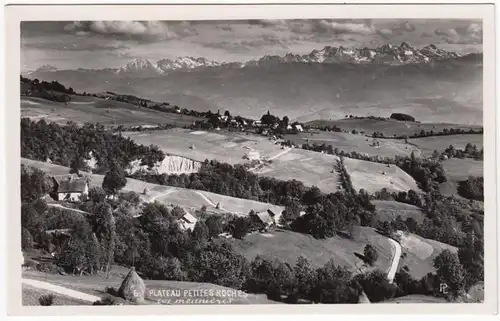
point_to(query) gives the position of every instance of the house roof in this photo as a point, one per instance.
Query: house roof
(70, 184)
(189, 218)
(265, 217)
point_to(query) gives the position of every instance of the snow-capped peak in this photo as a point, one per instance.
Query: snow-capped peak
(185, 63)
(139, 65)
(46, 68)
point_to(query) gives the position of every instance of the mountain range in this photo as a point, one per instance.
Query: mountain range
(429, 83)
(388, 54)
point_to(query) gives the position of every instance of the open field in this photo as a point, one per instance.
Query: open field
(389, 210)
(420, 253)
(428, 144)
(373, 177)
(225, 147)
(388, 127)
(355, 143)
(186, 198)
(317, 169)
(287, 246)
(84, 109)
(458, 170)
(312, 168)
(96, 285)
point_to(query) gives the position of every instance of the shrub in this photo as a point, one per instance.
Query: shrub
(472, 188)
(370, 254)
(46, 300)
(26, 239)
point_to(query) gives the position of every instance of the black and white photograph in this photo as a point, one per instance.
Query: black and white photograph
(252, 162)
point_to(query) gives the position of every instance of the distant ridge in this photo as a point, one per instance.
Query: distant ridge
(388, 54)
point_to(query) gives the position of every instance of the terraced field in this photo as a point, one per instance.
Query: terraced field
(83, 109)
(355, 143)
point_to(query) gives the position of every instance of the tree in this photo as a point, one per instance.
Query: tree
(333, 285)
(286, 121)
(200, 232)
(105, 229)
(450, 272)
(306, 277)
(26, 239)
(77, 164)
(370, 254)
(217, 263)
(114, 180)
(97, 194)
(34, 183)
(214, 225)
(240, 228)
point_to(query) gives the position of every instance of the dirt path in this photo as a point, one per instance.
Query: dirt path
(395, 260)
(68, 208)
(280, 154)
(61, 290)
(209, 201)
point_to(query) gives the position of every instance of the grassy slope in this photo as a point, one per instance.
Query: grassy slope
(420, 253)
(369, 176)
(188, 199)
(311, 168)
(96, 110)
(355, 143)
(223, 146)
(389, 210)
(459, 170)
(416, 298)
(287, 246)
(388, 127)
(429, 144)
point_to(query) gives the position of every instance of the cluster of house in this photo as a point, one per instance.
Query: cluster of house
(72, 188)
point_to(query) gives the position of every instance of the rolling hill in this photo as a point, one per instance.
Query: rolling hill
(83, 109)
(449, 90)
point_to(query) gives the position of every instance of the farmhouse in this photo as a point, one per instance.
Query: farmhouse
(299, 128)
(69, 188)
(265, 218)
(257, 123)
(253, 155)
(187, 222)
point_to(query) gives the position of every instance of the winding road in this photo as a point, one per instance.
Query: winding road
(60, 290)
(395, 260)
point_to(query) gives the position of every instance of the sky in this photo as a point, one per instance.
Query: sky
(111, 44)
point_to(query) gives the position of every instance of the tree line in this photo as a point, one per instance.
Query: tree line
(71, 144)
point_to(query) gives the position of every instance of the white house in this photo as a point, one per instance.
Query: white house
(289, 127)
(299, 128)
(257, 123)
(70, 188)
(187, 222)
(253, 155)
